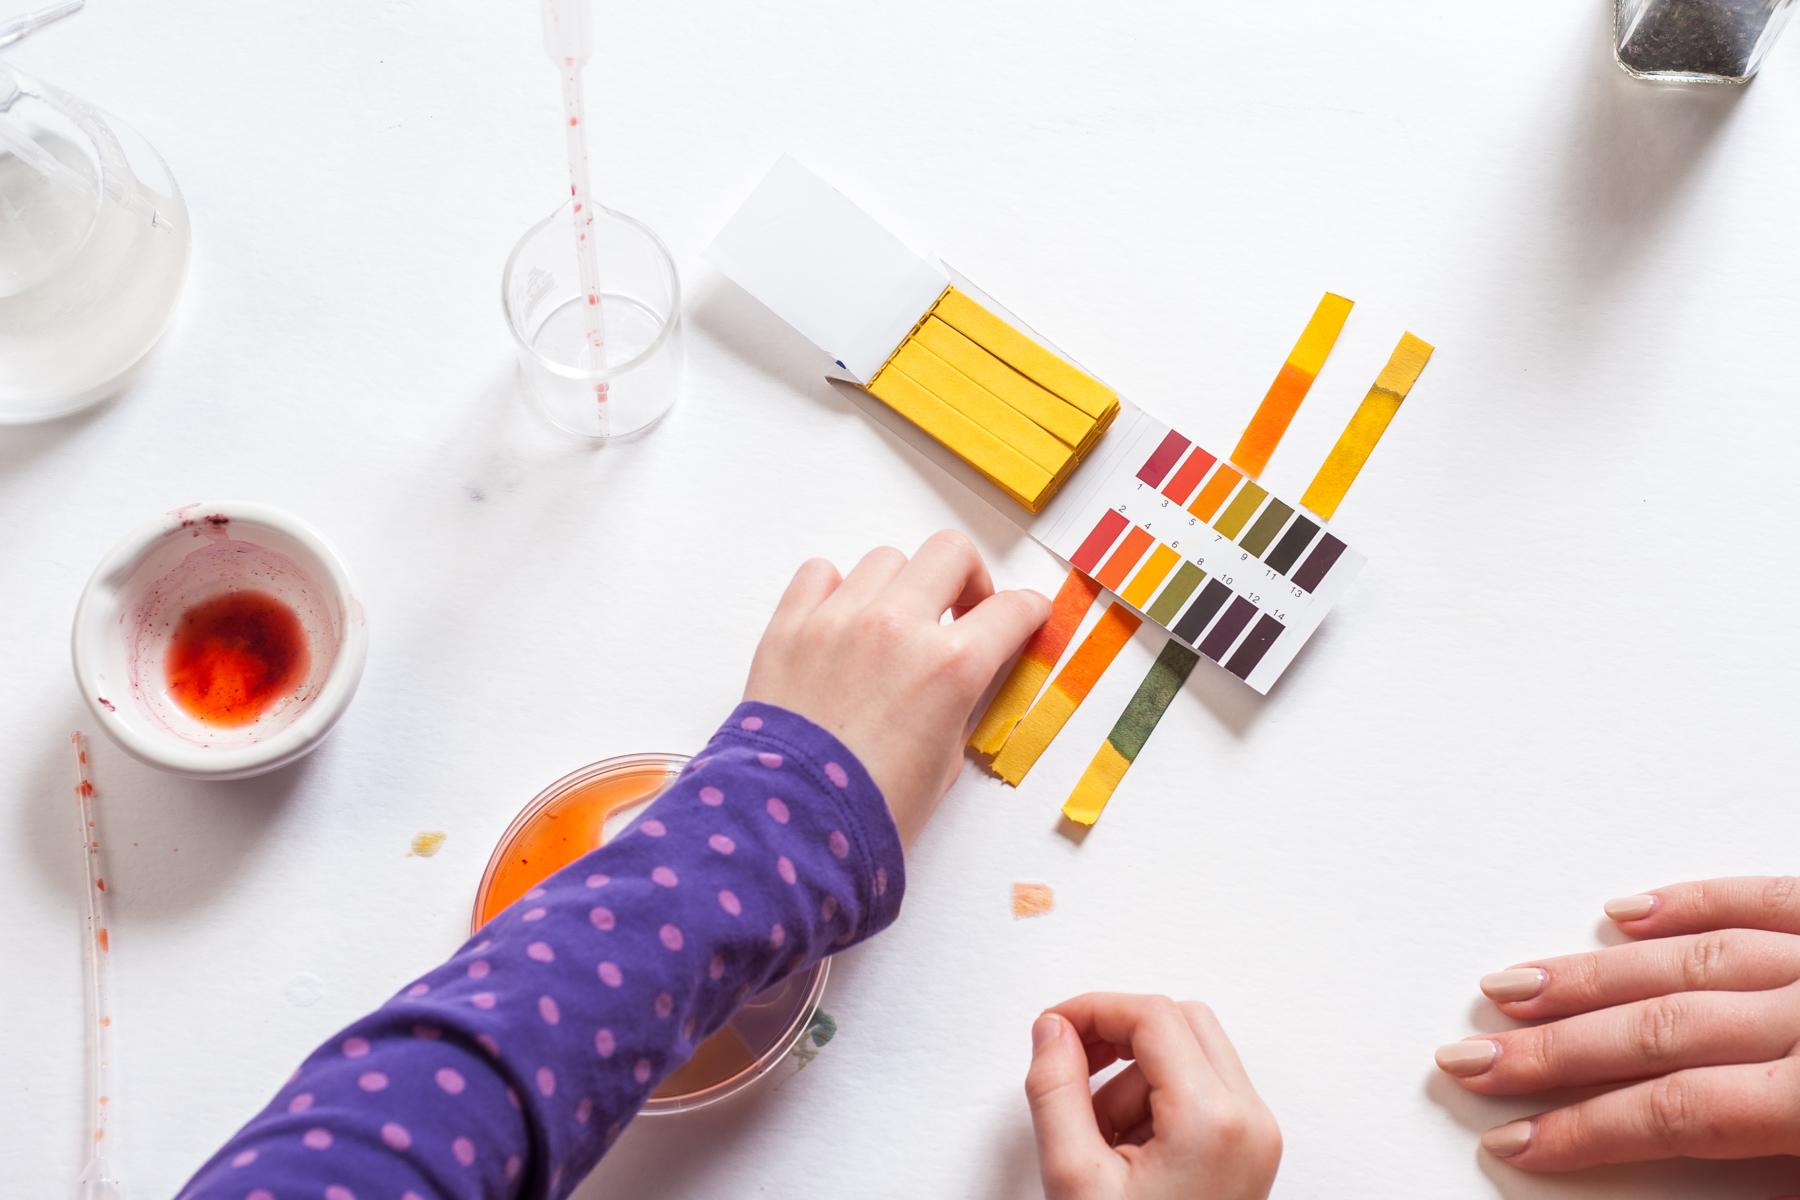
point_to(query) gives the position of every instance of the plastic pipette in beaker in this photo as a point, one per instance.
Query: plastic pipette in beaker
(568, 44)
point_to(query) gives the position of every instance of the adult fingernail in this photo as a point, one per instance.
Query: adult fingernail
(1518, 983)
(1508, 1140)
(1044, 1029)
(1630, 908)
(1464, 1059)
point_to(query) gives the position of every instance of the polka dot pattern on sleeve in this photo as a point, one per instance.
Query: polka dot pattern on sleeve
(510, 1069)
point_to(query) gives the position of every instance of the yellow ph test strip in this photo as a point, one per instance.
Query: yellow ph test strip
(1009, 470)
(1069, 424)
(991, 396)
(979, 405)
(1026, 356)
(1358, 440)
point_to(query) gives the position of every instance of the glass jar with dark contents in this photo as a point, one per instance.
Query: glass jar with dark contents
(1696, 41)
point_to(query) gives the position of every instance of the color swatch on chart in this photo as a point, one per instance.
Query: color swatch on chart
(1228, 604)
(1021, 415)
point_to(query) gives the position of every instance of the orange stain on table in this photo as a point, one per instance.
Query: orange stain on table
(104, 939)
(101, 884)
(85, 788)
(1032, 900)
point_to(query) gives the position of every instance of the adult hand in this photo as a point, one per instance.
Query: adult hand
(1699, 1019)
(1181, 1122)
(868, 657)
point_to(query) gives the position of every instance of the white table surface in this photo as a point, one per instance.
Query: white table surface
(1567, 674)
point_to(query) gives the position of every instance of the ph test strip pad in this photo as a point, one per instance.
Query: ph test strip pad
(1005, 404)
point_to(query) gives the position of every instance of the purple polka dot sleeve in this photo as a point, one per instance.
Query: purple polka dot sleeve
(510, 1069)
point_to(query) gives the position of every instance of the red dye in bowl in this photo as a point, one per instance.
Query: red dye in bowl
(232, 657)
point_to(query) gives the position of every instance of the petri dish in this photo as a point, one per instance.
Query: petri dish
(578, 813)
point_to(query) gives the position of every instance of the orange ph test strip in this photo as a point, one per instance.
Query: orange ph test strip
(1291, 384)
(1065, 693)
(1041, 653)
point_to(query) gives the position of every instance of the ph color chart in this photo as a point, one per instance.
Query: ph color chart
(1183, 537)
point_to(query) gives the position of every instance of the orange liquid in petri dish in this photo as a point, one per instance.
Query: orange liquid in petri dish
(233, 656)
(561, 832)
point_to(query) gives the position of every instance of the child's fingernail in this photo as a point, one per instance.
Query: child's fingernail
(1630, 908)
(1508, 1140)
(1044, 1029)
(1464, 1059)
(1519, 983)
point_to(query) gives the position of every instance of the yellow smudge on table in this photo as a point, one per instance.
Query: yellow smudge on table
(424, 845)
(1032, 900)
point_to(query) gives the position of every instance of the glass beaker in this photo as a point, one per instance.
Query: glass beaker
(93, 250)
(1696, 41)
(626, 385)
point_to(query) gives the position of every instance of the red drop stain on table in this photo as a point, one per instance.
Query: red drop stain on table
(235, 655)
(85, 788)
(104, 938)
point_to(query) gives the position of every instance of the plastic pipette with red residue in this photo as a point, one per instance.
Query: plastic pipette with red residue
(96, 1181)
(568, 44)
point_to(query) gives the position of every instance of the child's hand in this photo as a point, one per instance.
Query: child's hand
(868, 658)
(1181, 1122)
(1706, 1016)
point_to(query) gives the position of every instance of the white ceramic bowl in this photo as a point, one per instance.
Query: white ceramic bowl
(132, 605)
